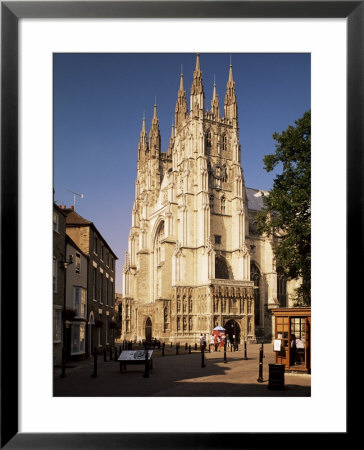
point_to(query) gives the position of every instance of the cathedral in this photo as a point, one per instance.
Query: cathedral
(195, 260)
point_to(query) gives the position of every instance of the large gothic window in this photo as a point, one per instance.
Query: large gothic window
(208, 142)
(158, 246)
(255, 276)
(221, 268)
(281, 287)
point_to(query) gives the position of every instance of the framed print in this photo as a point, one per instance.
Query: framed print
(30, 30)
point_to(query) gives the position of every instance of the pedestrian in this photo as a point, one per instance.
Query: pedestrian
(293, 350)
(212, 341)
(201, 342)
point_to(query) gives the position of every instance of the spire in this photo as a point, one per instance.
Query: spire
(154, 134)
(180, 112)
(230, 104)
(143, 141)
(171, 141)
(197, 93)
(215, 108)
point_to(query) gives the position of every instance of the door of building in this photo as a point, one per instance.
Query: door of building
(148, 329)
(232, 329)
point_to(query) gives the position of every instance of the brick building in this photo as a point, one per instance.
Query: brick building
(100, 279)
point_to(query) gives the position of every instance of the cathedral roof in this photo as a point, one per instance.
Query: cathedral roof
(255, 198)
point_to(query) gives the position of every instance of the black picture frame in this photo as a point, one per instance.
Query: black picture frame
(11, 12)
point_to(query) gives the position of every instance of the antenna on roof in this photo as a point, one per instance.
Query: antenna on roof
(74, 197)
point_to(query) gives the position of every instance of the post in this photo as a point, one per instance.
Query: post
(225, 352)
(110, 353)
(263, 349)
(115, 354)
(94, 375)
(260, 378)
(189, 349)
(202, 357)
(146, 375)
(186, 346)
(63, 374)
(245, 355)
(171, 344)
(177, 345)
(195, 346)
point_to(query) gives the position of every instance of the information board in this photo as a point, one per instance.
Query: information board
(134, 355)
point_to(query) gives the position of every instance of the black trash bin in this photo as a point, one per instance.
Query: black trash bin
(276, 377)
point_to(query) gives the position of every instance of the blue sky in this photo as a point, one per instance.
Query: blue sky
(99, 101)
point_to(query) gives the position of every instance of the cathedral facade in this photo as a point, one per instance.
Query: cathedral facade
(194, 259)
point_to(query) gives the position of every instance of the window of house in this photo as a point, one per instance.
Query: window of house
(78, 263)
(57, 326)
(106, 291)
(55, 222)
(107, 258)
(112, 263)
(78, 338)
(101, 282)
(79, 301)
(102, 252)
(94, 283)
(55, 274)
(95, 245)
(217, 239)
(107, 329)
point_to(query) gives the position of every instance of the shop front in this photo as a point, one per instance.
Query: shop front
(292, 338)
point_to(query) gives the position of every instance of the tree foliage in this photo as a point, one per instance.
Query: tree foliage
(286, 215)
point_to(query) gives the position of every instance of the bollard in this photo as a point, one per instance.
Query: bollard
(63, 374)
(115, 355)
(104, 354)
(186, 346)
(245, 355)
(171, 344)
(94, 375)
(146, 375)
(189, 349)
(195, 346)
(162, 350)
(202, 357)
(260, 378)
(177, 346)
(225, 353)
(131, 345)
(110, 353)
(276, 377)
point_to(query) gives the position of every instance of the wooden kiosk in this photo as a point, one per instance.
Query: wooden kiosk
(293, 326)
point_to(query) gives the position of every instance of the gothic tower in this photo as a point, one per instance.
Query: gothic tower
(187, 268)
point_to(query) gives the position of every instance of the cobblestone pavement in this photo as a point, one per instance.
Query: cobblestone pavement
(180, 376)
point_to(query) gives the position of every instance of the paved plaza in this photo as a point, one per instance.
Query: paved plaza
(180, 376)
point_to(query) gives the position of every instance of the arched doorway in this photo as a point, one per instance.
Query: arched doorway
(148, 329)
(232, 329)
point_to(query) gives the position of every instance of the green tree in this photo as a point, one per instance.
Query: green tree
(286, 215)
